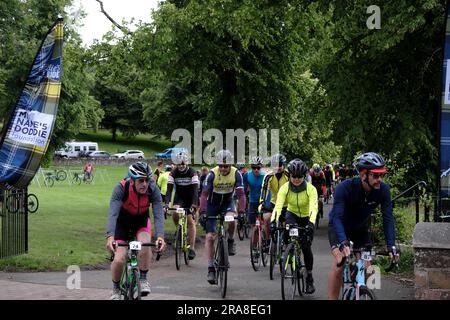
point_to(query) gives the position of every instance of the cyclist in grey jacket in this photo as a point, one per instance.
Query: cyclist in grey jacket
(129, 218)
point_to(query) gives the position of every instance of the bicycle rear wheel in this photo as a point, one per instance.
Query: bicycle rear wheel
(247, 227)
(223, 268)
(49, 182)
(178, 247)
(289, 274)
(61, 175)
(32, 203)
(255, 249)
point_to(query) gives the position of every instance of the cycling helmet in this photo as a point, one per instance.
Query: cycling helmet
(168, 168)
(256, 161)
(224, 157)
(297, 168)
(181, 158)
(240, 165)
(316, 168)
(370, 161)
(278, 159)
(139, 170)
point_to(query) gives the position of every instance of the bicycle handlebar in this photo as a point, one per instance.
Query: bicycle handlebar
(145, 244)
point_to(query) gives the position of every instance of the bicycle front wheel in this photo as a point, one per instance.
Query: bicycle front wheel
(264, 248)
(185, 247)
(49, 182)
(289, 274)
(33, 203)
(272, 253)
(223, 268)
(61, 175)
(240, 229)
(365, 293)
(178, 247)
(255, 249)
(135, 287)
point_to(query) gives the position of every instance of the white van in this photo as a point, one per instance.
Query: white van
(75, 149)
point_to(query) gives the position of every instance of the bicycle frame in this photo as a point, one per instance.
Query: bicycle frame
(181, 241)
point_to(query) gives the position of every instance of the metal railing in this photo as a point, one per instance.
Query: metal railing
(13, 222)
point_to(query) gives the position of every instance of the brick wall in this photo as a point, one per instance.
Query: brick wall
(431, 244)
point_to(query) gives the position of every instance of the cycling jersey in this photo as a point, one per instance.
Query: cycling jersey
(162, 182)
(126, 204)
(186, 182)
(302, 204)
(329, 177)
(253, 183)
(352, 208)
(219, 189)
(273, 182)
(318, 181)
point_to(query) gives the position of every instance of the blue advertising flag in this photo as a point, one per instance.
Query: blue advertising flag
(27, 134)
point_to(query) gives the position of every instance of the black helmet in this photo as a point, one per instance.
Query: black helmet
(224, 157)
(370, 161)
(139, 170)
(278, 159)
(297, 168)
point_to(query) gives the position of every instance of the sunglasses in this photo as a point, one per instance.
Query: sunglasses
(142, 180)
(256, 168)
(297, 177)
(224, 166)
(377, 175)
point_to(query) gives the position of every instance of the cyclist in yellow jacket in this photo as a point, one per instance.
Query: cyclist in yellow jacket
(271, 184)
(302, 206)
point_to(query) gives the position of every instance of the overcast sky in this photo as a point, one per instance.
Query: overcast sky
(96, 23)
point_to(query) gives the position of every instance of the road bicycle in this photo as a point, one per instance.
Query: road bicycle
(319, 212)
(275, 248)
(258, 244)
(15, 201)
(51, 177)
(181, 238)
(130, 288)
(293, 271)
(354, 285)
(221, 261)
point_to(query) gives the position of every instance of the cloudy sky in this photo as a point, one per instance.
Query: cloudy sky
(96, 23)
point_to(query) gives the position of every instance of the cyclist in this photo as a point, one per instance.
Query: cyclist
(329, 178)
(158, 170)
(217, 197)
(301, 198)
(272, 183)
(253, 181)
(241, 167)
(354, 201)
(88, 171)
(129, 216)
(319, 182)
(162, 182)
(186, 195)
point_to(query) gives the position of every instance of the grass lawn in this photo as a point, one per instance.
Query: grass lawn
(147, 143)
(69, 226)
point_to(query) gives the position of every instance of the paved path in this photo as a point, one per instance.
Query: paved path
(190, 282)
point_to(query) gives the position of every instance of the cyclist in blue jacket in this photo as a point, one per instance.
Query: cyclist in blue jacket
(354, 201)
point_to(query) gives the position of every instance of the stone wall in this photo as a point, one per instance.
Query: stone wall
(431, 242)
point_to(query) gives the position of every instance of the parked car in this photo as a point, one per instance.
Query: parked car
(167, 154)
(129, 154)
(99, 154)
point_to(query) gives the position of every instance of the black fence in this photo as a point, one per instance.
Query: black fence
(13, 223)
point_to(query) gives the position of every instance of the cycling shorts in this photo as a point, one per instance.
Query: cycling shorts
(129, 226)
(214, 210)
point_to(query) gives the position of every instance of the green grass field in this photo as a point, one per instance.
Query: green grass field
(69, 226)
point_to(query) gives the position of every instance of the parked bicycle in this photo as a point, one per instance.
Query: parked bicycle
(354, 275)
(15, 201)
(51, 177)
(221, 261)
(181, 239)
(258, 244)
(130, 288)
(293, 271)
(243, 226)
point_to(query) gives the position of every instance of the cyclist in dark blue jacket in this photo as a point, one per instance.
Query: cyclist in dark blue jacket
(354, 201)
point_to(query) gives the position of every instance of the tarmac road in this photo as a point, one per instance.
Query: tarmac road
(189, 283)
